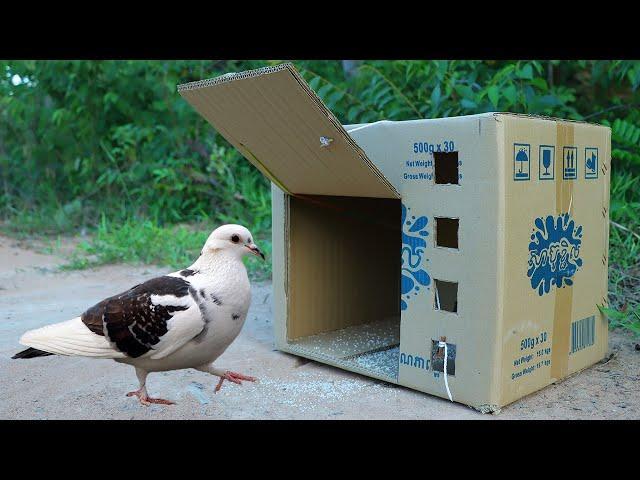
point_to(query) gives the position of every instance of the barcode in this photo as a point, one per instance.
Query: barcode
(583, 333)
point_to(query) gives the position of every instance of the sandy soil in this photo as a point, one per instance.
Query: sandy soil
(34, 293)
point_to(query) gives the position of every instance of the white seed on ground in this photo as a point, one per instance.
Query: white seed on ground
(383, 362)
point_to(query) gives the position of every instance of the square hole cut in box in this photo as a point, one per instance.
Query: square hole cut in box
(437, 358)
(445, 165)
(446, 296)
(447, 232)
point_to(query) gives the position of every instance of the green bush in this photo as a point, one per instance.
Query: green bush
(85, 138)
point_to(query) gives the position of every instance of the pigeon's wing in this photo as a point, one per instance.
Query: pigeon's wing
(153, 319)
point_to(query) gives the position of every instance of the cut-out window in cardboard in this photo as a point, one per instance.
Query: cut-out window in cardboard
(446, 296)
(447, 232)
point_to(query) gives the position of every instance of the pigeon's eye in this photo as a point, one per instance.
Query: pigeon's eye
(235, 238)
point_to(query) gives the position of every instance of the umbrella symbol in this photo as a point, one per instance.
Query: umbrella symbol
(521, 157)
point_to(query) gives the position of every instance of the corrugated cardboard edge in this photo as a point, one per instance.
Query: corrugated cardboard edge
(496, 381)
(279, 257)
(606, 207)
(545, 117)
(230, 77)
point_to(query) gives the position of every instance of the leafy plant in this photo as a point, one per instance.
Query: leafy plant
(625, 319)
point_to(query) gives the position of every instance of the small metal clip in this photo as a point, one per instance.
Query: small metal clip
(325, 141)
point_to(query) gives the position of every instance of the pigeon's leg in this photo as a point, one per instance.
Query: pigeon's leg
(141, 393)
(225, 375)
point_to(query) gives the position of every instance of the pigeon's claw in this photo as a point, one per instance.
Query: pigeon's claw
(233, 377)
(146, 400)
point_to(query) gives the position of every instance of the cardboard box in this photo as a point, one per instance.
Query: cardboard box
(392, 237)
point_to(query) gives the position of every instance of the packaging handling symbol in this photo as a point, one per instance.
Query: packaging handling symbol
(569, 159)
(521, 156)
(546, 168)
(590, 162)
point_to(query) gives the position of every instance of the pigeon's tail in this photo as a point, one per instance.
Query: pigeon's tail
(31, 353)
(72, 337)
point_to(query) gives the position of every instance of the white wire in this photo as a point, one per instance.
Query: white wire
(570, 203)
(446, 382)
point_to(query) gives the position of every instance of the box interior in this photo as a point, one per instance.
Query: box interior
(344, 280)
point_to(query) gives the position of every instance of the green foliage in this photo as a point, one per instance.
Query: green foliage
(110, 146)
(139, 242)
(402, 90)
(625, 136)
(625, 319)
(83, 138)
(144, 242)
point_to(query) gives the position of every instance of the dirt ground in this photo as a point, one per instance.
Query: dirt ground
(34, 293)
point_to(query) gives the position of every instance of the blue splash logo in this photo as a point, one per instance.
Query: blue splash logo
(413, 245)
(554, 252)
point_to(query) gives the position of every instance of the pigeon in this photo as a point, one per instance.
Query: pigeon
(185, 319)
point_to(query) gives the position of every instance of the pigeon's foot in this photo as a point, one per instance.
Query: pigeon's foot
(146, 400)
(233, 377)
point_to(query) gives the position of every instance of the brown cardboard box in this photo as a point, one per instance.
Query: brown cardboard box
(487, 233)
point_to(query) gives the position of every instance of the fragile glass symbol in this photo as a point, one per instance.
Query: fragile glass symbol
(546, 161)
(522, 157)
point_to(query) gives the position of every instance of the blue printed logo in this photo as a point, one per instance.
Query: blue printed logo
(554, 252)
(414, 361)
(413, 245)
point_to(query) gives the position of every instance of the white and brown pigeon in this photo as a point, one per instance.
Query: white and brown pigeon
(185, 319)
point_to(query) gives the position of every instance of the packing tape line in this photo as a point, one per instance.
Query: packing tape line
(442, 344)
(563, 301)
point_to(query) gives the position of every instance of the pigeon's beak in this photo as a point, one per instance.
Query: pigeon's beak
(253, 248)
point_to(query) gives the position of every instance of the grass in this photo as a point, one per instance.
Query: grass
(122, 233)
(133, 241)
(624, 254)
(145, 242)
(39, 223)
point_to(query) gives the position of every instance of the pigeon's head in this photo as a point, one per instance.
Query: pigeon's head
(233, 239)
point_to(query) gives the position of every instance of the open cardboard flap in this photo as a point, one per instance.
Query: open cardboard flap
(276, 121)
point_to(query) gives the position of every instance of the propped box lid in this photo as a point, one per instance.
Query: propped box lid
(281, 126)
